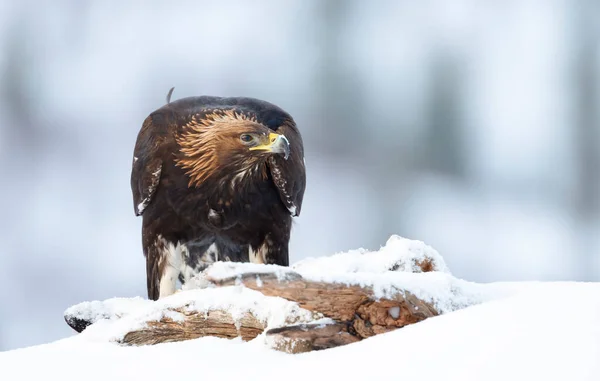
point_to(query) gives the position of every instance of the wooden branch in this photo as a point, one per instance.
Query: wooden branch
(197, 324)
(352, 304)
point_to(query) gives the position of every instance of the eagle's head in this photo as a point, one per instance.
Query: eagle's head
(226, 144)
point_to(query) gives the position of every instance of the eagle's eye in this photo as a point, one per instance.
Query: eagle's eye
(247, 138)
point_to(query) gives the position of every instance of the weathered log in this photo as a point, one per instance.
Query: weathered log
(352, 304)
(357, 313)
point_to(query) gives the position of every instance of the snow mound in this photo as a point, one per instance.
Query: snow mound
(398, 254)
(525, 336)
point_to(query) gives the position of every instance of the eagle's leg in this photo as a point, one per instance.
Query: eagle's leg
(272, 250)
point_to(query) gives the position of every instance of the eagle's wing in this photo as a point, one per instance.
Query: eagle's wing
(147, 166)
(289, 175)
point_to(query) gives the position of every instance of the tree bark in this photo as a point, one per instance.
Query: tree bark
(351, 304)
(198, 324)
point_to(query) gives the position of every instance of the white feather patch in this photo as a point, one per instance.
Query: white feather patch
(258, 256)
(173, 255)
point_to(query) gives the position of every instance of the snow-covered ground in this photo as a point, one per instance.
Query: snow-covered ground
(500, 331)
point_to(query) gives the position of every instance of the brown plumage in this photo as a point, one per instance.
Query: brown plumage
(215, 179)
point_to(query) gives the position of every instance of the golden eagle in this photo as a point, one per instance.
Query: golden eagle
(215, 179)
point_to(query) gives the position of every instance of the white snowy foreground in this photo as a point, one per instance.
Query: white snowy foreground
(499, 331)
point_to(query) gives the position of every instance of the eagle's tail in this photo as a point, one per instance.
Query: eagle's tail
(153, 255)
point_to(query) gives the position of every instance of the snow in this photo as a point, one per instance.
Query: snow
(398, 254)
(494, 331)
(392, 268)
(395, 312)
(545, 331)
(109, 309)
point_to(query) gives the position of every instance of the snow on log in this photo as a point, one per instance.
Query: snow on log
(315, 304)
(226, 312)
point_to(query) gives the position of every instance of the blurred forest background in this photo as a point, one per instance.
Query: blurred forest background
(470, 125)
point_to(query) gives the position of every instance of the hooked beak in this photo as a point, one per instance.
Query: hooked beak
(277, 144)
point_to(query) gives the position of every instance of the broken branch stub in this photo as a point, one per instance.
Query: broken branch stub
(310, 337)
